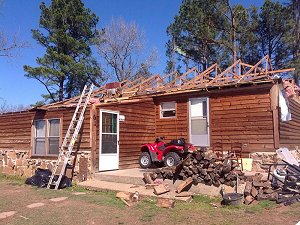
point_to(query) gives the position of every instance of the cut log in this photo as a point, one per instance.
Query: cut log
(257, 177)
(248, 200)
(260, 184)
(165, 203)
(160, 189)
(150, 186)
(270, 197)
(248, 187)
(254, 192)
(184, 184)
(147, 178)
(184, 194)
(123, 195)
(268, 191)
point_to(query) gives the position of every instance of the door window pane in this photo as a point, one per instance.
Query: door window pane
(109, 143)
(198, 126)
(198, 108)
(109, 123)
(204, 108)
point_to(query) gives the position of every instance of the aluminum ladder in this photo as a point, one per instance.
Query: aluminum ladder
(67, 146)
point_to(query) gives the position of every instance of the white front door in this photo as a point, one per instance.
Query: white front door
(199, 121)
(109, 140)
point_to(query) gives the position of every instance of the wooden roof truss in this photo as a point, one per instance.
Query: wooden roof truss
(236, 74)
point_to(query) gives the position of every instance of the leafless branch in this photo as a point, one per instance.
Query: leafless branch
(120, 45)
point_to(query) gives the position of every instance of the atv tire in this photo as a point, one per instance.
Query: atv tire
(145, 160)
(172, 159)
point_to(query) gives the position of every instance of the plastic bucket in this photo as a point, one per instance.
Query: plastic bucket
(233, 199)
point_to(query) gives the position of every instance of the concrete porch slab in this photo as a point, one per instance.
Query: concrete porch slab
(126, 176)
(98, 185)
(125, 180)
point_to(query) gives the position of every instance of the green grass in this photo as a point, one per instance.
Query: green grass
(12, 179)
(146, 207)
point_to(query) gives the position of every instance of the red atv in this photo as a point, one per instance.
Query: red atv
(170, 153)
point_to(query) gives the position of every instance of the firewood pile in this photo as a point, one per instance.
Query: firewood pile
(257, 189)
(203, 167)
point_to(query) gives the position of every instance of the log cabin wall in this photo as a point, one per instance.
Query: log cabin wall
(244, 118)
(241, 115)
(290, 130)
(15, 131)
(137, 129)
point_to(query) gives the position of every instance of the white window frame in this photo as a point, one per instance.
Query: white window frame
(47, 136)
(161, 110)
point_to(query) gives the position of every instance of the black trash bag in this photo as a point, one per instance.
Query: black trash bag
(41, 179)
(34, 181)
(43, 173)
(64, 183)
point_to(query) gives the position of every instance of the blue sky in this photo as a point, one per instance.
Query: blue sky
(19, 16)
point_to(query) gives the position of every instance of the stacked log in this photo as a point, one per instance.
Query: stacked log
(203, 167)
(257, 189)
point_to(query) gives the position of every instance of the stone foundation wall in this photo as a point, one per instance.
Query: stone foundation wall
(18, 162)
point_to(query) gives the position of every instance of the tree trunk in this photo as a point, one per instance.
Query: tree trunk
(61, 89)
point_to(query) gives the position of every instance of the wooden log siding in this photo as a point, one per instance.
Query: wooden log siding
(137, 129)
(290, 130)
(15, 131)
(246, 119)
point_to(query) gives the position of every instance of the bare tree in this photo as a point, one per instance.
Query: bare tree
(121, 46)
(9, 44)
(5, 107)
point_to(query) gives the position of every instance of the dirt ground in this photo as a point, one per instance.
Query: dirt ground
(103, 208)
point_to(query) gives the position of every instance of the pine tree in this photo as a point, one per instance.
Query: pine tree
(272, 30)
(67, 31)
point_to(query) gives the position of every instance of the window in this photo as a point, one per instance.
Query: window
(167, 109)
(46, 137)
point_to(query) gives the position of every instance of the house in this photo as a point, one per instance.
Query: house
(243, 103)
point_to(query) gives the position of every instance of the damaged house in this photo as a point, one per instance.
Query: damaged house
(245, 104)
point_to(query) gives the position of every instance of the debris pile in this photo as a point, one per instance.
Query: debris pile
(203, 167)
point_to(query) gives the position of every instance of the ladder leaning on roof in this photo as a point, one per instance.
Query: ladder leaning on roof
(66, 148)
